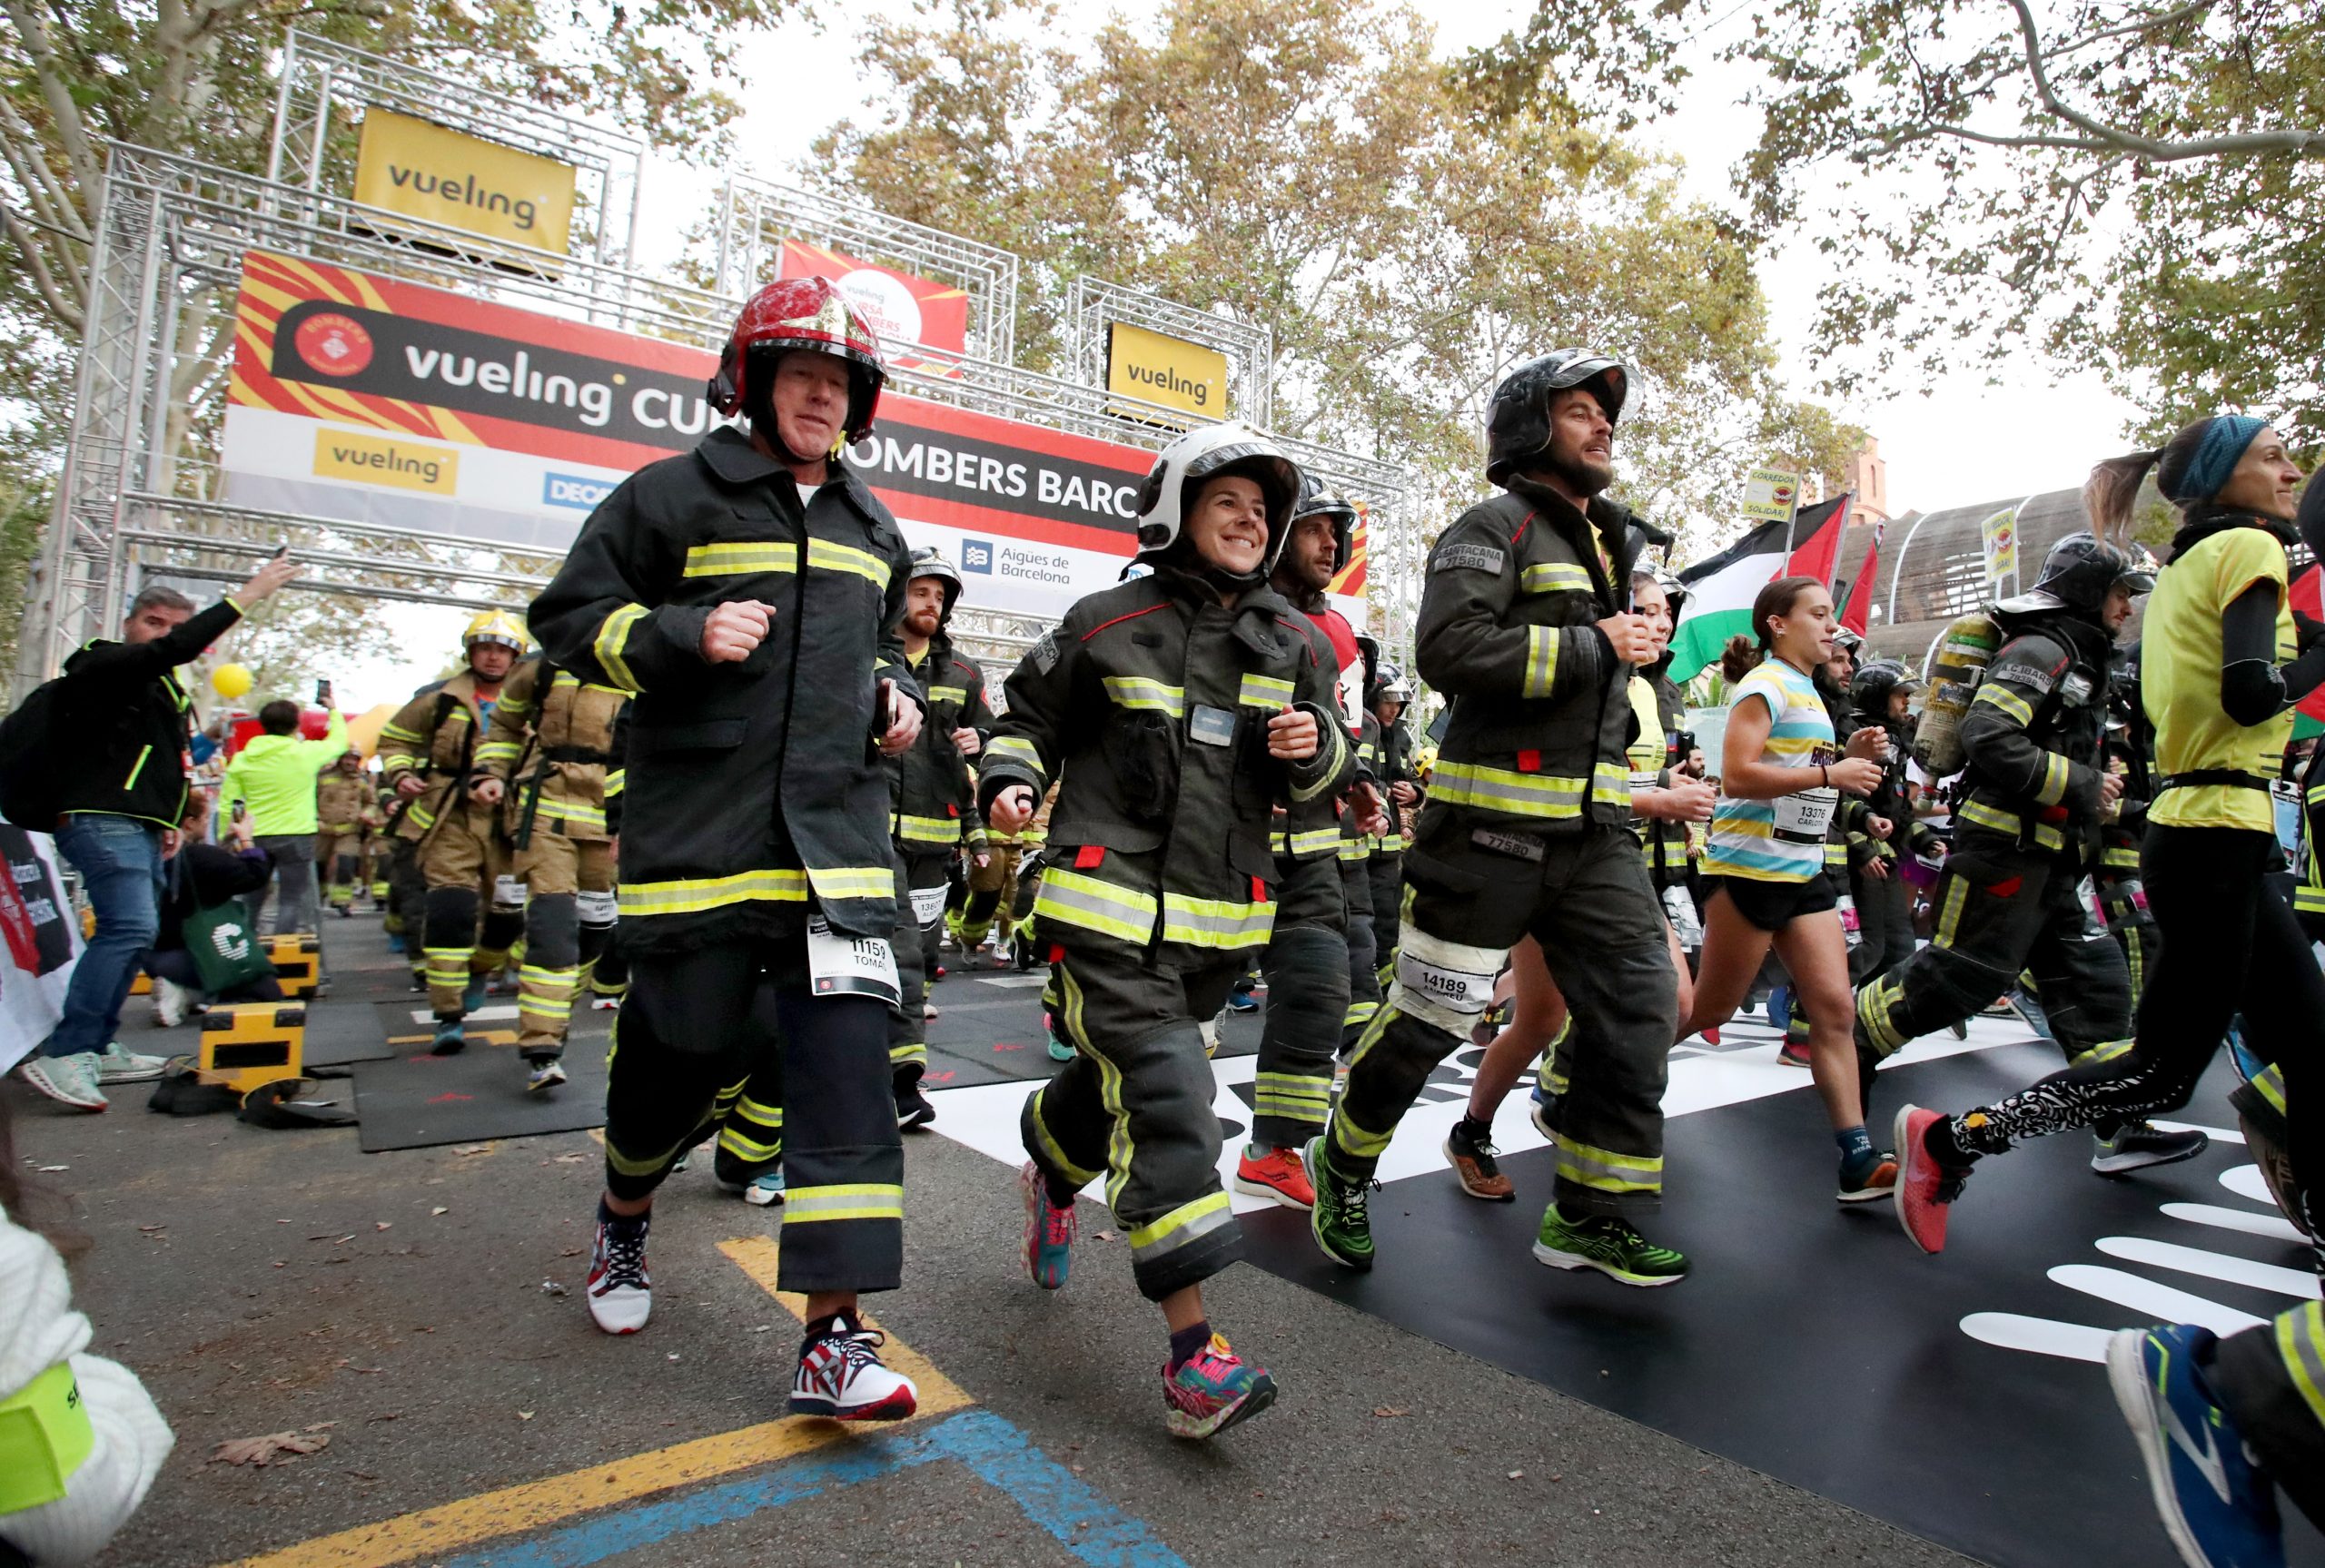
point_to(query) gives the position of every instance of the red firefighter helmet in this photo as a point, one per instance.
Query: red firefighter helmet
(805, 313)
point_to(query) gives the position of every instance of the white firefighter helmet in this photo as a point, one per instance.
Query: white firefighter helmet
(1205, 454)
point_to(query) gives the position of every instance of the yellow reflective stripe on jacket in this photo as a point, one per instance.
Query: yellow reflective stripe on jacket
(1356, 849)
(832, 882)
(1611, 783)
(2055, 779)
(579, 813)
(1553, 577)
(829, 555)
(741, 557)
(1542, 661)
(1979, 815)
(2008, 700)
(492, 752)
(615, 780)
(690, 896)
(928, 829)
(2120, 857)
(949, 694)
(1508, 791)
(1331, 752)
(851, 1200)
(1017, 748)
(1071, 898)
(2301, 1342)
(1225, 924)
(1309, 841)
(1140, 692)
(1264, 692)
(613, 636)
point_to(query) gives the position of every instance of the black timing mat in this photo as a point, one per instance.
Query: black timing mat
(1817, 1345)
(414, 1101)
(342, 1031)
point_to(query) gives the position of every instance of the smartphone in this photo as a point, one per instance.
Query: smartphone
(322, 693)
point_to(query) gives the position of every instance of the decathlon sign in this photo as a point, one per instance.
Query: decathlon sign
(1156, 368)
(357, 397)
(423, 170)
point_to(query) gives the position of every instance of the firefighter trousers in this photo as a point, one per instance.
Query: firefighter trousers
(1585, 899)
(991, 902)
(921, 887)
(1384, 871)
(569, 915)
(1365, 956)
(338, 861)
(2002, 909)
(1136, 1105)
(463, 859)
(1885, 925)
(694, 1023)
(1306, 965)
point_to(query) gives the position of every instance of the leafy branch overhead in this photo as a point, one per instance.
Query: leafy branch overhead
(2137, 184)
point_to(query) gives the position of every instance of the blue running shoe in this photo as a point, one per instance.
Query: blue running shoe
(1780, 1008)
(473, 997)
(2219, 1504)
(765, 1191)
(1242, 1001)
(2249, 1065)
(1050, 1230)
(395, 941)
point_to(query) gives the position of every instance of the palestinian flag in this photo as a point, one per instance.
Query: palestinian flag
(1720, 590)
(2307, 595)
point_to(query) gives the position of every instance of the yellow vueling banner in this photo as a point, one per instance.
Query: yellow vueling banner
(1157, 369)
(424, 171)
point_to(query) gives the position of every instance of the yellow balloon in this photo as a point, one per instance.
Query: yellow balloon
(230, 681)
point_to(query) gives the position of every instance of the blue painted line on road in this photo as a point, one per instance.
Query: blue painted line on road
(1077, 1514)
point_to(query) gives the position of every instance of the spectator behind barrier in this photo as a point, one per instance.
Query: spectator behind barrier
(80, 1439)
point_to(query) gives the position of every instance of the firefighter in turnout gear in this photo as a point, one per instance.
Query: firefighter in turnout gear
(544, 765)
(2122, 901)
(429, 760)
(1523, 627)
(1388, 692)
(936, 815)
(1884, 830)
(2034, 798)
(742, 593)
(1177, 709)
(1322, 933)
(345, 811)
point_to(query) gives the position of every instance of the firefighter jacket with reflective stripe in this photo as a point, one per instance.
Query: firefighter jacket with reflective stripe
(433, 738)
(2308, 897)
(342, 802)
(553, 743)
(1541, 718)
(935, 793)
(1149, 705)
(2033, 736)
(750, 785)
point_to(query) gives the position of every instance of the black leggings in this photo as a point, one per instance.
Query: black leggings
(2228, 944)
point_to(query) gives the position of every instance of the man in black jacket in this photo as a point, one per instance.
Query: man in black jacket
(118, 738)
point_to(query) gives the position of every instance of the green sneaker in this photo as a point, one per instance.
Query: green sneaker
(1339, 1221)
(1605, 1242)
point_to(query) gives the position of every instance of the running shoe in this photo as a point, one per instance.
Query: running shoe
(2140, 1145)
(1050, 1230)
(841, 1375)
(1609, 1244)
(1470, 1150)
(1873, 1179)
(1794, 1054)
(171, 1003)
(1241, 1001)
(450, 1039)
(472, 997)
(604, 1002)
(1340, 1221)
(620, 1295)
(66, 1079)
(913, 1109)
(1209, 1030)
(929, 1013)
(1545, 1112)
(1925, 1188)
(765, 1191)
(1212, 1390)
(1711, 1036)
(1278, 1176)
(544, 1077)
(1059, 1050)
(117, 1065)
(2217, 1501)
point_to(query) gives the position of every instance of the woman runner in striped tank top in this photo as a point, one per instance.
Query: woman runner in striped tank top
(1781, 778)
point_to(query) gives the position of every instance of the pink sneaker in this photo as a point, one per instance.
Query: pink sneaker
(1050, 1230)
(1925, 1189)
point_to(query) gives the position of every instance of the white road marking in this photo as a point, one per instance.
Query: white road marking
(2246, 1182)
(2039, 1336)
(491, 1014)
(2152, 1302)
(2217, 1134)
(2220, 1266)
(2276, 1227)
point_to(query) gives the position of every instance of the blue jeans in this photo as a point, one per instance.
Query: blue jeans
(120, 861)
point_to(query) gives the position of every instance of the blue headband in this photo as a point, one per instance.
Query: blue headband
(2216, 454)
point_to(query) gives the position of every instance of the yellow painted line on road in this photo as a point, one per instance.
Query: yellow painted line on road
(512, 1510)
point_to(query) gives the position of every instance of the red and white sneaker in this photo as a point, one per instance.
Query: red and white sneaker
(1280, 1175)
(621, 1298)
(1925, 1188)
(841, 1375)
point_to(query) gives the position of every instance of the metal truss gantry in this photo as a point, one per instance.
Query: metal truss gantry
(1092, 305)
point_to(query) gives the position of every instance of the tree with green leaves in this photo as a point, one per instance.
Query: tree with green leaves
(2133, 184)
(1309, 165)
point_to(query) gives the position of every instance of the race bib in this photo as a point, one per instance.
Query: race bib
(1457, 990)
(1681, 909)
(597, 908)
(851, 966)
(508, 893)
(1650, 779)
(1803, 818)
(927, 903)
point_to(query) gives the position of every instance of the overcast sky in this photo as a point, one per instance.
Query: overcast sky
(1950, 444)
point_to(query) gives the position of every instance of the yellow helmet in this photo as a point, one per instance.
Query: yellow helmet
(495, 627)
